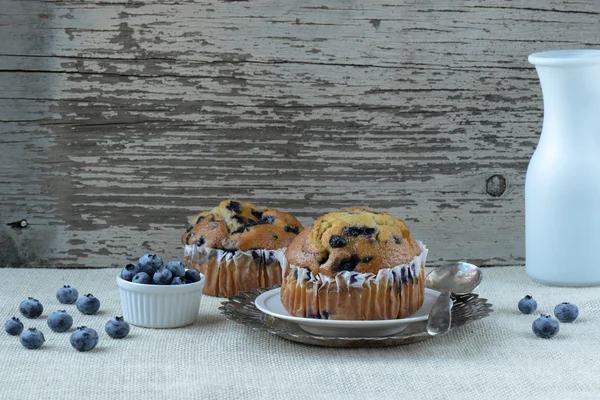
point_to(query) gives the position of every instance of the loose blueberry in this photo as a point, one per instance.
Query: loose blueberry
(60, 321)
(150, 263)
(566, 312)
(178, 281)
(13, 326)
(88, 304)
(32, 338)
(117, 328)
(545, 327)
(337, 241)
(527, 305)
(177, 268)
(67, 295)
(142, 277)
(191, 275)
(162, 277)
(84, 338)
(129, 271)
(31, 308)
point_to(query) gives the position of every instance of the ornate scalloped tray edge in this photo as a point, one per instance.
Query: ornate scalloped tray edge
(241, 309)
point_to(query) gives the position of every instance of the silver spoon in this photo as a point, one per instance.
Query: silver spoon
(461, 278)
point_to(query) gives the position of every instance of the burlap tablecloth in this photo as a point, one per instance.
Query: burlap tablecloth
(494, 358)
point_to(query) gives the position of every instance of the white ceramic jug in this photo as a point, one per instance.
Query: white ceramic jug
(562, 187)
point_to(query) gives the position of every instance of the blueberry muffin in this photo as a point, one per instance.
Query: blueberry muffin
(354, 265)
(234, 246)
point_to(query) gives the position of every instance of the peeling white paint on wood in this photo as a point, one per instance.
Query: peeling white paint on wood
(119, 119)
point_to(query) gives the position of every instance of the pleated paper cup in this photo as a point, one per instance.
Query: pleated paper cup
(392, 293)
(160, 306)
(228, 273)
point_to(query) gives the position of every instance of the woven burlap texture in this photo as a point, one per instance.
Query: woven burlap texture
(495, 358)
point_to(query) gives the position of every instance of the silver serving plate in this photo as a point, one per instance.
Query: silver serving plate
(241, 309)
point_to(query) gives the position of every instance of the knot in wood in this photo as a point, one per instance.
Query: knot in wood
(375, 22)
(495, 185)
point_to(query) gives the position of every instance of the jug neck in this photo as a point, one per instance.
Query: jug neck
(570, 81)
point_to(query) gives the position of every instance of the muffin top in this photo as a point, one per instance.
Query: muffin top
(353, 240)
(234, 225)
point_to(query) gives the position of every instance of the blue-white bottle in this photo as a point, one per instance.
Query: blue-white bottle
(562, 187)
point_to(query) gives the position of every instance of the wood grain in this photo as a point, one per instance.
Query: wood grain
(119, 119)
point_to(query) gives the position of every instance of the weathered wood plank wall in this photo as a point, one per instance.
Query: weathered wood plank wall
(121, 118)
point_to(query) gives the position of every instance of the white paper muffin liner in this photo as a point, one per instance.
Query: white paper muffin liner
(227, 273)
(390, 294)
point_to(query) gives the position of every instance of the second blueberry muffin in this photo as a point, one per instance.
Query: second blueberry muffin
(354, 265)
(234, 246)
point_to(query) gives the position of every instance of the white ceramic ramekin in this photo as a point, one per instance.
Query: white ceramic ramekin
(160, 306)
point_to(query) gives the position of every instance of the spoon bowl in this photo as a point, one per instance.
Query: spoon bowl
(460, 278)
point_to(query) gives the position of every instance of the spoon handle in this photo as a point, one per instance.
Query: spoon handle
(440, 315)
